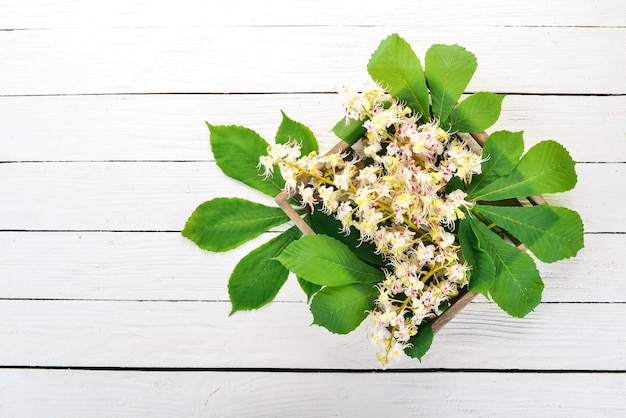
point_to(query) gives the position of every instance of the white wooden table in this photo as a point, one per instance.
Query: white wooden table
(106, 310)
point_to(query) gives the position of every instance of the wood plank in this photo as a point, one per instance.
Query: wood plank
(75, 393)
(114, 196)
(184, 13)
(298, 59)
(556, 362)
(119, 266)
(193, 334)
(171, 127)
(165, 266)
(160, 196)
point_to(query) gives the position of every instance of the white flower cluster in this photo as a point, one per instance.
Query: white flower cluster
(394, 193)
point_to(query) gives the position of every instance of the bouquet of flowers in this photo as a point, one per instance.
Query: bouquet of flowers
(414, 208)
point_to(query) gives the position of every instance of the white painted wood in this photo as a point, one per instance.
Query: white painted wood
(171, 127)
(111, 196)
(70, 393)
(298, 59)
(548, 48)
(150, 13)
(119, 266)
(160, 196)
(557, 336)
(166, 266)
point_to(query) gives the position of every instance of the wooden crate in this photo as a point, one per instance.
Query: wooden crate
(458, 302)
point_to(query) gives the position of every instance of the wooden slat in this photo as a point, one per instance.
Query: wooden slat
(161, 196)
(154, 13)
(112, 196)
(72, 393)
(194, 334)
(119, 266)
(136, 299)
(171, 127)
(298, 59)
(165, 266)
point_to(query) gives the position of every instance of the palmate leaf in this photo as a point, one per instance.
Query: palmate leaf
(420, 343)
(222, 224)
(476, 113)
(551, 233)
(517, 286)
(237, 150)
(328, 225)
(545, 168)
(326, 261)
(483, 271)
(397, 69)
(350, 131)
(449, 68)
(501, 154)
(309, 289)
(289, 130)
(258, 277)
(341, 309)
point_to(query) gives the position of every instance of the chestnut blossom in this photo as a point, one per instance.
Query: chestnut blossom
(393, 193)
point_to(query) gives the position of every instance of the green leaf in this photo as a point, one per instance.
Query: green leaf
(420, 342)
(289, 130)
(341, 309)
(326, 261)
(517, 287)
(237, 150)
(551, 233)
(476, 113)
(328, 225)
(395, 66)
(258, 277)
(222, 224)
(483, 273)
(310, 289)
(351, 131)
(501, 153)
(455, 183)
(449, 68)
(545, 168)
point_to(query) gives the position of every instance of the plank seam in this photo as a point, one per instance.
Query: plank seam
(63, 28)
(172, 231)
(186, 161)
(276, 93)
(276, 301)
(310, 371)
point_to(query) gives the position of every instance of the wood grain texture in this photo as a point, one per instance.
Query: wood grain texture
(298, 59)
(153, 13)
(201, 334)
(171, 127)
(97, 178)
(72, 393)
(160, 196)
(168, 267)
